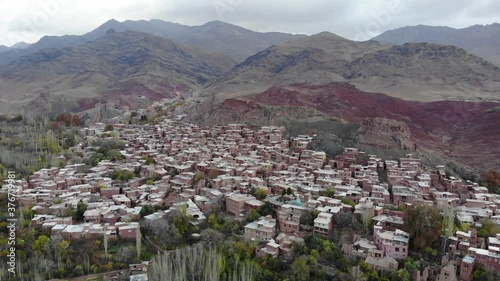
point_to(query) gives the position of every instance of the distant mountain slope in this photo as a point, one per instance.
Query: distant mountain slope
(56, 42)
(17, 46)
(415, 71)
(124, 67)
(481, 40)
(237, 42)
(217, 36)
(20, 45)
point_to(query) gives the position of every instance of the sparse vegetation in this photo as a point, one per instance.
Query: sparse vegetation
(332, 135)
(462, 171)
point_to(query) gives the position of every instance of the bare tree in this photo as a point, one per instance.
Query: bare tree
(162, 231)
(197, 263)
(138, 242)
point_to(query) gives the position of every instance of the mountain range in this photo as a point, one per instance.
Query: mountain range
(4, 48)
(416, 96)
(130, 68)
(217, 36)
(17, 46)
(413, 71)
(481, 40)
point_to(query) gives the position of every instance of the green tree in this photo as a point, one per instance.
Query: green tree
(266, 209)
(213, 222)
(243, 250)
(300, 269)
(400, 275)
(328, 192)
(366, 218)
(81, 207)
(425, 225)
(146, 210)
(253, 215)
(41, 245)
(62, 251)
(488, 228)
(448, 214)
(197, 177)
(479, 274)
(430, 252)
(308, 217)
(283, 193)
(465, 227)
(410, 264)
(369, 272)
(122, 175)
(148, 160)
(348, 201)
(114, 155)
(182, 221)
(260, 193)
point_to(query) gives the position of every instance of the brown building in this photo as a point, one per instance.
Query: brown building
(261, 230)
(235, 203)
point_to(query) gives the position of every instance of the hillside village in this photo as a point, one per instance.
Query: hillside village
(238, 169)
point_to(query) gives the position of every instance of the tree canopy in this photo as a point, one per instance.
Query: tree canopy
(425, 225)
(491, 180)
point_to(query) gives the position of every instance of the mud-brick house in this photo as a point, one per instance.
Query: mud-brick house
(235, 203)
(323, 224)
(261, 230)
(393, 243)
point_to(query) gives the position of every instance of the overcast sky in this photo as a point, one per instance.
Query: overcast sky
(28, 20)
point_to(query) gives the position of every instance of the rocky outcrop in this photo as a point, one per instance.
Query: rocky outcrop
(387, 133)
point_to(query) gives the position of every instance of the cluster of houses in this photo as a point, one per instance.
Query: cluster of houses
(202, 169)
